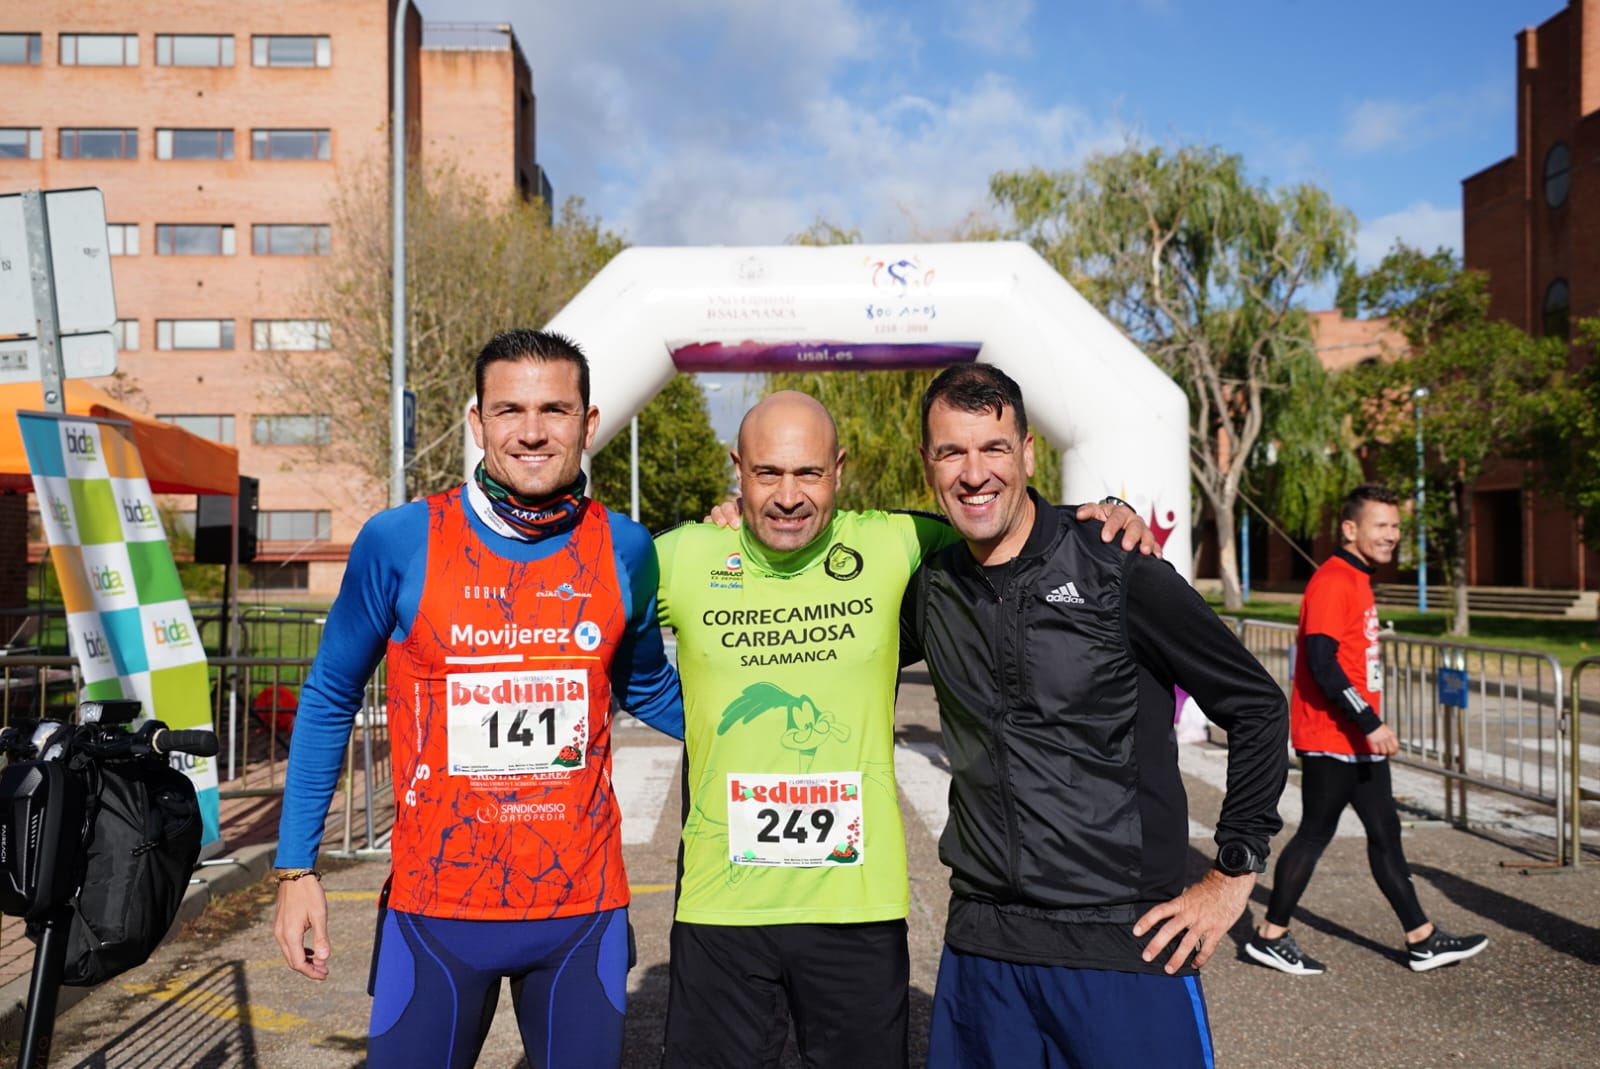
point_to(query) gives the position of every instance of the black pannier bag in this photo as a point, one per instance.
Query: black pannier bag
(144, 840)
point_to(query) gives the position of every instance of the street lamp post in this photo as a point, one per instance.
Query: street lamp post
(397, 307)
(633, 466)
(1419, 395)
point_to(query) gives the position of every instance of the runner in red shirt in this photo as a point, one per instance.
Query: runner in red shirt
(1335, 727)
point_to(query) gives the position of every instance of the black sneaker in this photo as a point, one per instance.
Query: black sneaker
(1283, 954)
(1442, 948)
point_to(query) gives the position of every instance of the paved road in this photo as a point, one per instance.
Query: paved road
(224, 999)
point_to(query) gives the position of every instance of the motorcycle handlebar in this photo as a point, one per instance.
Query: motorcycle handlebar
(194, 741)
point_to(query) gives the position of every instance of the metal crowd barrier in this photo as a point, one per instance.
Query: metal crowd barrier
(1497, 725)
(1585, 671)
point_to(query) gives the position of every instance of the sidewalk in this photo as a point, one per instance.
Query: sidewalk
(225, 1000)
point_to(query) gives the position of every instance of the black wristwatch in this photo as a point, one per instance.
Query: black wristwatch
(1237, 859)
(1115, 501)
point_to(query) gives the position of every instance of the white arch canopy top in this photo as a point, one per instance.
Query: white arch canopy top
(1121, 422)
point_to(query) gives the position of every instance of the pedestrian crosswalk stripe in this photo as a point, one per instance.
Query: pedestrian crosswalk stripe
(642, 776)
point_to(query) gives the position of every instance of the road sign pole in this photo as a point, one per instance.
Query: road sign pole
(42, 270)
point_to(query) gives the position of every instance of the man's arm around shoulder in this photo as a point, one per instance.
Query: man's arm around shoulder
(1174, 633)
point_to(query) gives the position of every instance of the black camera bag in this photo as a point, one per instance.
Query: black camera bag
(144, 840)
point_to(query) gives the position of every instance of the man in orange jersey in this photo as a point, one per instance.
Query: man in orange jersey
(1343, 744)
(511, 610)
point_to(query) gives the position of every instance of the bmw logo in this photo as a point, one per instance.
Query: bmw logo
(587, 634)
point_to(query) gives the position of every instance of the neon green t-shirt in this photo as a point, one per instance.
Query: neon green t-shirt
(789, 663)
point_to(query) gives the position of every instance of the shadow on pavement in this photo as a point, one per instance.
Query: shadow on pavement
(1556, 932)
(199, 1025)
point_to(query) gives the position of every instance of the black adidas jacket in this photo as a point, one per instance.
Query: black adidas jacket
(1054, 675)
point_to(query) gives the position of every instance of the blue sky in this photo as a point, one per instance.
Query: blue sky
(742, 121)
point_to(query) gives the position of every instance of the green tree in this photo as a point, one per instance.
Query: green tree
(683, 468)
(1204, 270)
(879, 415)
(476, 265)
(1572, 438)
(1489, 388)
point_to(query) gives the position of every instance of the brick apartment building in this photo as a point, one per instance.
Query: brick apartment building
(219, 133)
(1532, 222)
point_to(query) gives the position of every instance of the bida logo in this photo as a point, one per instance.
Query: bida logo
(171, 633)
(137, 511)
(80, 443)
(94, 646)
(107, 580)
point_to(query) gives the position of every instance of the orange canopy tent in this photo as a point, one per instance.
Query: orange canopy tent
(175, 461)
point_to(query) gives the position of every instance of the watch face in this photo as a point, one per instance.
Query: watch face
(1235, 859)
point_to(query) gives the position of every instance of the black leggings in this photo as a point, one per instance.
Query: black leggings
(1327, 785)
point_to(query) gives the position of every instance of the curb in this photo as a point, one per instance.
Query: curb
(212, 878)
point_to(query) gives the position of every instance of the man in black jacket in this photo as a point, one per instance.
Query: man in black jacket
(1071, 938)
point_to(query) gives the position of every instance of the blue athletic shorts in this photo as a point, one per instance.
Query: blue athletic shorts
(990, 1014)
(435, 983)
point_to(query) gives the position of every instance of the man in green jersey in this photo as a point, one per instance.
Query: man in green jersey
(793, 893)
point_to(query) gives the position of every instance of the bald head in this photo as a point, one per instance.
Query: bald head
(797, 413)
(789, 463)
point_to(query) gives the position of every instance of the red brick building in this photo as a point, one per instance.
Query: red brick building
(219, 133)
(1532, 222)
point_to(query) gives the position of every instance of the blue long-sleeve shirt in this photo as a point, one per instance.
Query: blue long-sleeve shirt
(378, 601)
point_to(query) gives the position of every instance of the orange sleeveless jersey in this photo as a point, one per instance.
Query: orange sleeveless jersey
(1338, 603)
(500, 726)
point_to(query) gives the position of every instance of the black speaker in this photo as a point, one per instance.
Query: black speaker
(213, 519)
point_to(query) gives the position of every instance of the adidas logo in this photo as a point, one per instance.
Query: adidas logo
(1066, 594)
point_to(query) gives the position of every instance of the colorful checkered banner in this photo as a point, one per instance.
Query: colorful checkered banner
(127, 615)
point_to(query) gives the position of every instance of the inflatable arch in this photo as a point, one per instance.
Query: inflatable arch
(1121, 422)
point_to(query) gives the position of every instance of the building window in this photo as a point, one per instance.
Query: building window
(122, 239)
(217, 428)
(292, 335)
(194, 239)
(126, 333)
(99, 50)
(1557, 310)
(290, 239)
(20, 50)
(289, 525)
(291, 430)
(194, 50)
(87, 144)
(279, 575)
(289, 144)
(292, 51)
(194, 334)
(194, 144)
(1557, 175)
(21, 143)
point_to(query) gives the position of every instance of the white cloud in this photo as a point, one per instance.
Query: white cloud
(998, 27)
(1421, 225)
(734, 122)
(1375, 125)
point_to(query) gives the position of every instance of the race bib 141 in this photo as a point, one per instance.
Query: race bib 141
(517, 723)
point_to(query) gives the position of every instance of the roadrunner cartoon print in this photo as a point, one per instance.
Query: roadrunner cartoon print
(807, 726)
